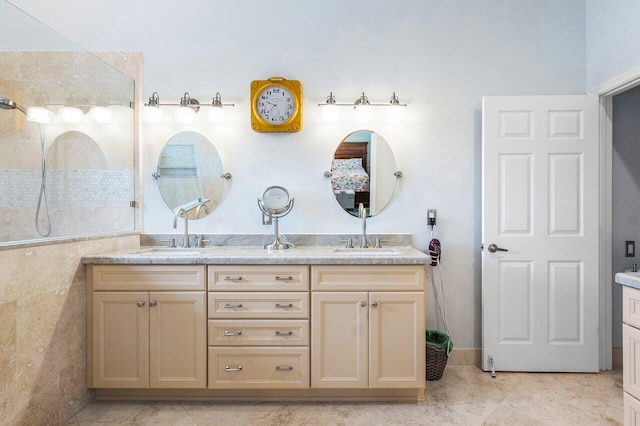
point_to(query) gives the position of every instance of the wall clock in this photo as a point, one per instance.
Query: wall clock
(276, 105)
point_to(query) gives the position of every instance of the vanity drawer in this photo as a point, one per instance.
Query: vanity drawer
(258, 277)
(631, 306)
(258, 368)
(245, 305)
(148, 277)
(258, 333)
(367, 277)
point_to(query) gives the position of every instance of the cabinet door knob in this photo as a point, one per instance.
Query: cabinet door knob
(153, 303)
(363, 303)
(374, 304)
(140, 303)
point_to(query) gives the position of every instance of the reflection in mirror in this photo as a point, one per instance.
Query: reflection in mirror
(190, 174)
(362, 171)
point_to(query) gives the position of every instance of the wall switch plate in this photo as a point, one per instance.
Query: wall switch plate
(629, 249)
(431, 217)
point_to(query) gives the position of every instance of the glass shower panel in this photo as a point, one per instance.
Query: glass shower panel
(66, 136)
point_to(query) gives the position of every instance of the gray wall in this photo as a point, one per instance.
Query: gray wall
(626, 192)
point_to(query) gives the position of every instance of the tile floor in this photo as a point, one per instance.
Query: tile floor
(464, 396)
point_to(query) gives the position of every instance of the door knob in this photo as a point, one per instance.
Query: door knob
(494, 248)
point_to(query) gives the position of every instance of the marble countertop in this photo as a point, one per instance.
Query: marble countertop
(628, 278)
(256, 255)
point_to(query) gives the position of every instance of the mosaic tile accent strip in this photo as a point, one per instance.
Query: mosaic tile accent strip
(66, 188)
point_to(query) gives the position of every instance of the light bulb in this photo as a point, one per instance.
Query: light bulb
(395, 113)
(101, 114)
(184, 115)
(216, 114)
(364, 112)
(330, 112)
(152, 114)
(39, 115)
(71, 115)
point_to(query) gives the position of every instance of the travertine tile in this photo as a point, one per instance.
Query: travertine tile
(230, 414)
(503, 416)
(613, 415)
(8, 355)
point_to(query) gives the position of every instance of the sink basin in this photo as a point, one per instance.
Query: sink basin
(368, 251)
(170, 251)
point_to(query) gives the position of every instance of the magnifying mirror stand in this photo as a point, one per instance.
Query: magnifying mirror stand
(275, 202)
(277, 244)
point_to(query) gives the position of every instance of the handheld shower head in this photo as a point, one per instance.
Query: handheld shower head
(9, 104)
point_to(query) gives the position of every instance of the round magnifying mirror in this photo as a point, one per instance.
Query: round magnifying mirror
(190, 174)
(275, 199)
(362, 171)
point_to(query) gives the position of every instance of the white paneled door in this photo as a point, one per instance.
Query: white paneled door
(540, 205)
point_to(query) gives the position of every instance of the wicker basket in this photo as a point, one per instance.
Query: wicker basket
(438, 346)
(436, 362)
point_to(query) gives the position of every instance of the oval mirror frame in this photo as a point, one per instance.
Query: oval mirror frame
(190, 174)
(363, 171)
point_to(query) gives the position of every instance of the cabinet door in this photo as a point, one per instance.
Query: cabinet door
(397, 340)
(120, 340)
(339, 340)
(178, 339)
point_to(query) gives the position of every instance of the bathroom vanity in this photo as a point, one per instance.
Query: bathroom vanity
(243, 322)
(630, 345)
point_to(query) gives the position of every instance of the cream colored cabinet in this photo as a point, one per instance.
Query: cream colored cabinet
(258, 327)
(631, 354)
(147, 339)
(367, 339)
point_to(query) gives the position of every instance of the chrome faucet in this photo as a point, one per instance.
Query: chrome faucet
(362, 212)
(183, 213)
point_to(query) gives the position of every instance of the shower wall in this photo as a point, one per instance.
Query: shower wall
(90, 165)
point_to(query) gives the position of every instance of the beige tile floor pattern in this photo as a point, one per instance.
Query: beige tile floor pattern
(464, 396)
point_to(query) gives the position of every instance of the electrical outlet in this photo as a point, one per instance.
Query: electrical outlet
(431, 217)
(629, 249)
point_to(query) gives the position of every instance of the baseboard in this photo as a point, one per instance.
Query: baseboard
(466, 357)
(616, 358)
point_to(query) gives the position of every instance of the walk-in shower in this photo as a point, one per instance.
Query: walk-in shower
(9, 104)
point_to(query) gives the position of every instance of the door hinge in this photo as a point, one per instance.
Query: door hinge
(133, 204)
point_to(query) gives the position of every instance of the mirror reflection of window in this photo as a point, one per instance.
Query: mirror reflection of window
(362, 172)
(189, 172)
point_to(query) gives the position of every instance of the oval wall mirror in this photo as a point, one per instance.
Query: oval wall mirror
(190, 174)
(362, 171)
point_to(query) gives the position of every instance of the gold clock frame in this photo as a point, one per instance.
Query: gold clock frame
(294, 123)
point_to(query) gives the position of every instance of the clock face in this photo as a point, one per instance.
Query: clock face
(276, 105)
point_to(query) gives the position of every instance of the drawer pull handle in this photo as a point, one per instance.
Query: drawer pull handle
(284, 333)
(233, 333)
(284, 305)
(284, 367)
(238, 368)
(289, 278)
(233, 278)
(231, 305)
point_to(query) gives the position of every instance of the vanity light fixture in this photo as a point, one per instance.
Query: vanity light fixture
(69, 113)
(187, 109)
(186, 112)
(362, 102)
(151, 112)
(363, 108)
(101, 113)
(39, 113)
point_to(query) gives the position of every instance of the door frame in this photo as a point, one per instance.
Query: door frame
(606, 91)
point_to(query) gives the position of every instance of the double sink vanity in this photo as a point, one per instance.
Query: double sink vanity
(240, 322)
